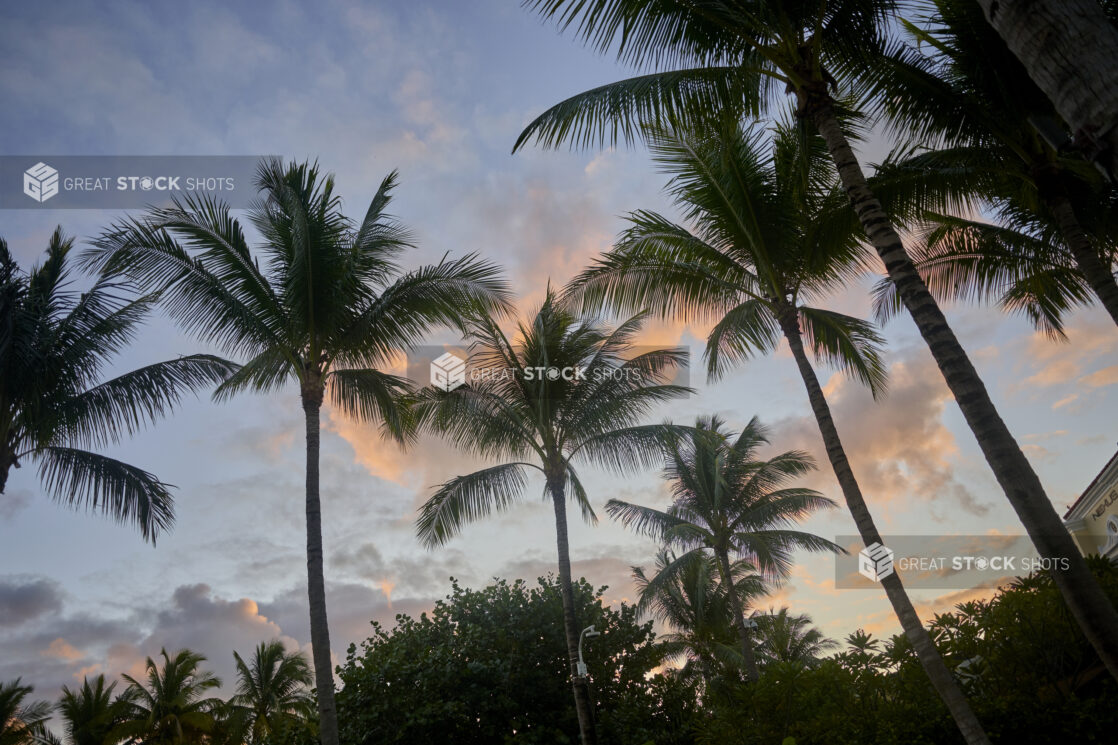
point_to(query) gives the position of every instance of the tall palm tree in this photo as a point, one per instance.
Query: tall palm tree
(323, 303)
(1068, 47)
(783, 637)
(172, 705)
(689, 597)
(731, 506)
(273, 690)
(755, 279)
(517, 410)
(55, 405)
(21, 721)
(91, 713)
(962, 90)
(736, 55)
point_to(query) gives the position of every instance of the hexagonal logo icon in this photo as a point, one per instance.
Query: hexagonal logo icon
(875, 562)
(448, 372)
(40, 182)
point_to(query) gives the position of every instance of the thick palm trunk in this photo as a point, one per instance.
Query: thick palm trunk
(935, 668)
(1085, 598)
(316, 585)
(1087, 258)
(583, 704)
(1068, 48)
(747, 653)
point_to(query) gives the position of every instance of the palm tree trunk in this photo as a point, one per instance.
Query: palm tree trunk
(1068, 48)
(583, 704)
(1086, 600)
(935, 668)
(316, 585)
(1086, 255)
(747, 654)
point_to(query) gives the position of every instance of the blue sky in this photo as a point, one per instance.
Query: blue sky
(439, 91)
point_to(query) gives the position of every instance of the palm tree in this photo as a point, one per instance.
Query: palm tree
(21, 721)
(754, 278)
(1068, 47)
(783, 637)
(55, 343)
(274, 690)
(172, 705)
(737, 55)
(962, 89)
(564, 393)
(327, 308)
(91, 713)
(689, 597)
(731, 506)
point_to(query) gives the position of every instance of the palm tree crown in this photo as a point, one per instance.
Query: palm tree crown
(91, 713)
(55, 343)
(767, 240)
(691, 600)
(728, 502)
(273, 690)
(546, 424)
(21, 721)
(783, 637)
(171, 706)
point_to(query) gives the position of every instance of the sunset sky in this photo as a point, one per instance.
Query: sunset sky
(439, 91)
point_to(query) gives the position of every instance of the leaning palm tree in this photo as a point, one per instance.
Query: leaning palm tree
(756, 280)
(783, 637)
(690, 599)
(958, 87)
(91, 713)
(323, 304)
(171, 706)
(564, 393)
(22, 722)
(273, 690)
(736, 58)
(56, 407)
(731, 506)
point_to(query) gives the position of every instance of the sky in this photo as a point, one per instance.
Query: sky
(438, 90)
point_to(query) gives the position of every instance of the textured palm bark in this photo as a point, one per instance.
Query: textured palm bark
(1087, 258)
(1085, 598)
(747, 653)
(1068, 48)
(935, 668)
(316, 586)
(583, 704)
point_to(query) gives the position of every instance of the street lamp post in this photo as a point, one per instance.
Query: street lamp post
(586, 632)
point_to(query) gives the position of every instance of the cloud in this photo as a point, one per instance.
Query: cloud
(1101, 378)
(23, 599)
(899, 448)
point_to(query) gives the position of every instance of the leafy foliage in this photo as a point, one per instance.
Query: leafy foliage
(21, 720)
(490, 666)
(1029, 671)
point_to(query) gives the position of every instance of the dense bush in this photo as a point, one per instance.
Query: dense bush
(490, 666)
(1027, 668)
